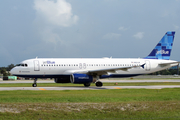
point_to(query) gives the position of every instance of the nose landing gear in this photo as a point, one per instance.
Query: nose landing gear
(34, 84)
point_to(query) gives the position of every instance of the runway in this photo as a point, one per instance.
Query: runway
(103, 80)
(90, 88)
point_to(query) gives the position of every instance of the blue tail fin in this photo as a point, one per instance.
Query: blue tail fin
(163, 48)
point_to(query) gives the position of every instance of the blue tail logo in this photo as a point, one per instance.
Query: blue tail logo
(163, 48)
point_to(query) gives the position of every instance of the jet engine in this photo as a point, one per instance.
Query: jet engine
(81, 78)
(76, 79)
(63, 79)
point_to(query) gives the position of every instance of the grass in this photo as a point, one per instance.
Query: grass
(78, 96)
(91, 104)
(161, 104)
(108, 111)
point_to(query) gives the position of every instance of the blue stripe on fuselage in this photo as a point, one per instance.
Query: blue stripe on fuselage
(58, 76)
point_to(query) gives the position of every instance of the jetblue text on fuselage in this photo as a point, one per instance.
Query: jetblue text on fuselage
(49, 62)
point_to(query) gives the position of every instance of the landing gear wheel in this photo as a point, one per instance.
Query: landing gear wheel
(99, 84)
(34, 85)
(87, 84)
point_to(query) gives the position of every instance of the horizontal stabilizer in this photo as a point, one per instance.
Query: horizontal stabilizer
(166, 64)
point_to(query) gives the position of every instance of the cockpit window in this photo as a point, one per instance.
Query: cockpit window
(22, 64)
(18, 65)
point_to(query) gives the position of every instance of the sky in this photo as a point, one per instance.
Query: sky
(85, 28)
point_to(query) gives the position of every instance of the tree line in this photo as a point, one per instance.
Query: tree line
(5, 71)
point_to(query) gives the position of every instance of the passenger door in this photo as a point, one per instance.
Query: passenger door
(36, 65)
(148, 65)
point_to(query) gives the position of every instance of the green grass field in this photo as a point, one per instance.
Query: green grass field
(91, 104)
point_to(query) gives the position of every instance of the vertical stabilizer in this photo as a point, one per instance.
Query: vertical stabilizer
(163, 48)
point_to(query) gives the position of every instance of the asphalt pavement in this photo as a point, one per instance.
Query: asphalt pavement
(93, 87)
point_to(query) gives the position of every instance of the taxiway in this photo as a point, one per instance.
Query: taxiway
(93, 87)
(90, 88)
(103, 80)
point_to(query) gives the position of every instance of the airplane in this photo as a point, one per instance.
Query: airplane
(90, 70)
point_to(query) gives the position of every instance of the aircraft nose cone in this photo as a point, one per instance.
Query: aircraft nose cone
(12, 71)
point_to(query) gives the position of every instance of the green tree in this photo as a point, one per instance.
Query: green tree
(3, 71)
(10, 67)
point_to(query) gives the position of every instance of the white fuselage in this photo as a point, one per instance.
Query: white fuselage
(54, 67)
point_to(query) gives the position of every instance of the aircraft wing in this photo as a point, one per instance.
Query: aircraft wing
(103, 71)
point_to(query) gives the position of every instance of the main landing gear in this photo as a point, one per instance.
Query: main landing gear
(34, 84)
(98, 83)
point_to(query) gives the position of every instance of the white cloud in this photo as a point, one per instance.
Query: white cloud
(48, 35)
(122, 28)
(56, 13)
(176, 27)
(139, 35)
(112, 36)
(52, 15)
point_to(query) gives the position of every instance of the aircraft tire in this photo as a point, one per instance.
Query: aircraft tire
(34, 85)
(99, 84)
(87, 84)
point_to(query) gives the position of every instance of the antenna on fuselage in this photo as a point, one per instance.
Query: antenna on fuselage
(36, 57)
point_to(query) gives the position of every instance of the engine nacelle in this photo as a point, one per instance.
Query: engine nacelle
(81, 78)
(63, 79)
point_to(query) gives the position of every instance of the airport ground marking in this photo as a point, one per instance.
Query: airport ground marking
(42, 89)
(117, 88)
